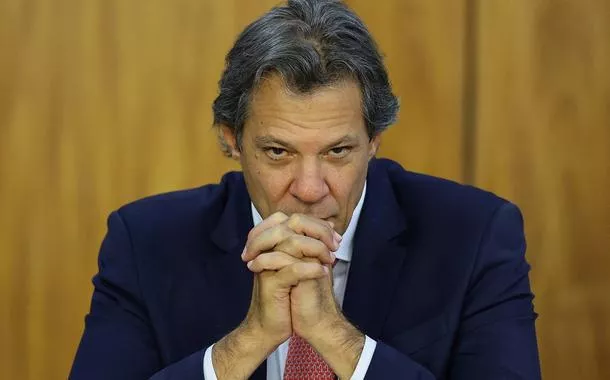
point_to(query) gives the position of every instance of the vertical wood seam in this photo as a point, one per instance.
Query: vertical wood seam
(470, 95)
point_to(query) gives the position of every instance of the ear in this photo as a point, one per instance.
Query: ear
(374, 145)
(228, 142)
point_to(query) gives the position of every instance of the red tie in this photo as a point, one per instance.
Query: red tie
(304, 363)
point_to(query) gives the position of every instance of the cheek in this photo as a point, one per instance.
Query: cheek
(275, 184)
(345, 182)
(271, 183)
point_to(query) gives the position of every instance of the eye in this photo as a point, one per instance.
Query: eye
(276, 153)
(339, 152)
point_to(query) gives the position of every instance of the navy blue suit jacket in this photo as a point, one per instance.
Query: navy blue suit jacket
(438, 277)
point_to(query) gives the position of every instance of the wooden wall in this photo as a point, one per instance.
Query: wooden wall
(106, 101)
(543, 140)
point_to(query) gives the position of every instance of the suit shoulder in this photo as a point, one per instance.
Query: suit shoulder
(416, 191)
(180, 208)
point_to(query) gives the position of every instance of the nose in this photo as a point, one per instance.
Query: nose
(309, 184)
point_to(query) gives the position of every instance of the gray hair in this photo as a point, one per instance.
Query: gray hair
(310, 44)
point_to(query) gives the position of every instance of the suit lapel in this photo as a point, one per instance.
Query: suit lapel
(378, 255)
(227, 274)
(236, 219)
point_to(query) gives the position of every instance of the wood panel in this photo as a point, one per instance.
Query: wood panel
(106, 101)
(101, 102)
(543, 140)
(423, 43)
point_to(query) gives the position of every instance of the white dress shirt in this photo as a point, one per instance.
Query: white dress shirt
(277, 360)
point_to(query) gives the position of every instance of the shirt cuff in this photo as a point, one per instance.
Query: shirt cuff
(365, 359)
(208, 365)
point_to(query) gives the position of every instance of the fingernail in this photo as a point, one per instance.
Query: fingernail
(249, 264)
(325, 269)
(333, 256)
(243, 253)
(338, 237)
(337, 240)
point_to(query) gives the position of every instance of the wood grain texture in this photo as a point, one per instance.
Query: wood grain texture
(423, 43)
(106, 101)
(102, 102)
(543, 140)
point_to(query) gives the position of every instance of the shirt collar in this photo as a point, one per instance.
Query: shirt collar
(347, 243)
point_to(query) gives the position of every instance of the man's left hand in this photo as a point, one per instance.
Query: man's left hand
(316, 317)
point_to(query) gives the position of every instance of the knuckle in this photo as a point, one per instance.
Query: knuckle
(279, 217)
(296, 269)
(293, 241)
(278, 234)
(295, 220)
(287, 232)
(253, 265)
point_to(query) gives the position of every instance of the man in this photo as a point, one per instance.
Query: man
(319, 260)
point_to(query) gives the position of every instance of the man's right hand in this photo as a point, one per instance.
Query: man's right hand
(268, 322)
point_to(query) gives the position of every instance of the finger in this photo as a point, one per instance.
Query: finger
(271, 221)
(329, 269)
(271, 261)
(266, 241)
(301, 246)
(300, 271)
(315, 228)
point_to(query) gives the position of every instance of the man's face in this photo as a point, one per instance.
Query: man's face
(305, 153)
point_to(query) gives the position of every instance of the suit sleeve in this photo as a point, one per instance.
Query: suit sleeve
(118, 341)
(496, 338)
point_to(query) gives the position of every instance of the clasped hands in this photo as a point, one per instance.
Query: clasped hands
(292, 260)
(291, 257)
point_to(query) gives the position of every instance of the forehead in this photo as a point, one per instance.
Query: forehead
(338, 104)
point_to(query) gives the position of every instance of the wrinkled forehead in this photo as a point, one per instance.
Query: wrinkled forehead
(275, 103)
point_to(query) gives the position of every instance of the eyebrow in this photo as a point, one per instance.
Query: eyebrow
(266, 140)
